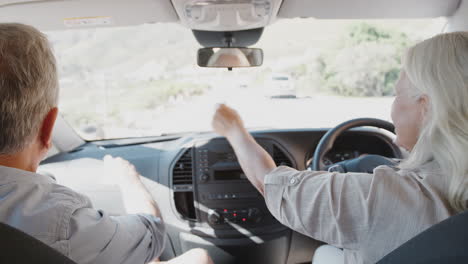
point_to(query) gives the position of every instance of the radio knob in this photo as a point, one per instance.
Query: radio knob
(214, 217)
(255, 215)
(204, 178)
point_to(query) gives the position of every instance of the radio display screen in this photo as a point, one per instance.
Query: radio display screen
(227, 175)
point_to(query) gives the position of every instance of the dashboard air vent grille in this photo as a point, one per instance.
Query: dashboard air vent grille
(182, 183)
(280, 158)
(183, 170)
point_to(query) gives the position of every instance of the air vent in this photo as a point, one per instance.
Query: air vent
(280, 158)
(182, 174)
(182, 184)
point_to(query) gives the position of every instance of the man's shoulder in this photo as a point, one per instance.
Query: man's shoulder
(39, 190)
(41, 208)
(48, 197)
(66, 197)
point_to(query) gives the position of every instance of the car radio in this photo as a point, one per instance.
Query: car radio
(223, 189)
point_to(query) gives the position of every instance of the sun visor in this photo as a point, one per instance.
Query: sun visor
(459, 21)
(16, 2)
(367, 9)
(70, 14)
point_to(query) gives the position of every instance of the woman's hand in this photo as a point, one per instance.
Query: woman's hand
(253, 158)
(227, 121)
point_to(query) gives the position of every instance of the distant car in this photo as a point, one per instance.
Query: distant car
(281, 86)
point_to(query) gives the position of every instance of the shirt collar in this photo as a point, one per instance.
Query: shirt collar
(8, 174)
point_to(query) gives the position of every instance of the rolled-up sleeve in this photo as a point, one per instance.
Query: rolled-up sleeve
(95, 237)
(330, 207)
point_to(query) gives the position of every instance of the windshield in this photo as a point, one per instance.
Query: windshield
(144, 81)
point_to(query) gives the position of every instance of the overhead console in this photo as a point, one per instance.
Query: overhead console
(226, 15)
(211, 189)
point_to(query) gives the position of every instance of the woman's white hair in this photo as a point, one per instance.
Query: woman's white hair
(28, 85)
(438, 68)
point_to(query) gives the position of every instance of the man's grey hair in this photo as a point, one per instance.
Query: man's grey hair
(28, 85)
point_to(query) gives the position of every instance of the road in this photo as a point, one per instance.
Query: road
(259, 111)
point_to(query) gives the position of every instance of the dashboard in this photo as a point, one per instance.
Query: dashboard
(204, 195)
(351, 146)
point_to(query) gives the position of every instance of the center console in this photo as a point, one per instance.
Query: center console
(224, 189)
(225, 214)
(223, 198)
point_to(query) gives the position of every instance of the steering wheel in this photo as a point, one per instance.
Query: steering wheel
(362, 164)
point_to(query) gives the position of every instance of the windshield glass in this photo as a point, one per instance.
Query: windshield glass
(144, 80)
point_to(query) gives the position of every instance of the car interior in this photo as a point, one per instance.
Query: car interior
(205, 198)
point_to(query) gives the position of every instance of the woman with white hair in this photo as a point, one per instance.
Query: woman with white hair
(369, 215)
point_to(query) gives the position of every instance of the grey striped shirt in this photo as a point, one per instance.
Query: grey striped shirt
(67, 221)
(368, 215)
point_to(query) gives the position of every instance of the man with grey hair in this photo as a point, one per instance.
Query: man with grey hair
(34, 203)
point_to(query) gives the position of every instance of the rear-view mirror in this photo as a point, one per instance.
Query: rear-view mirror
(229, 57)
